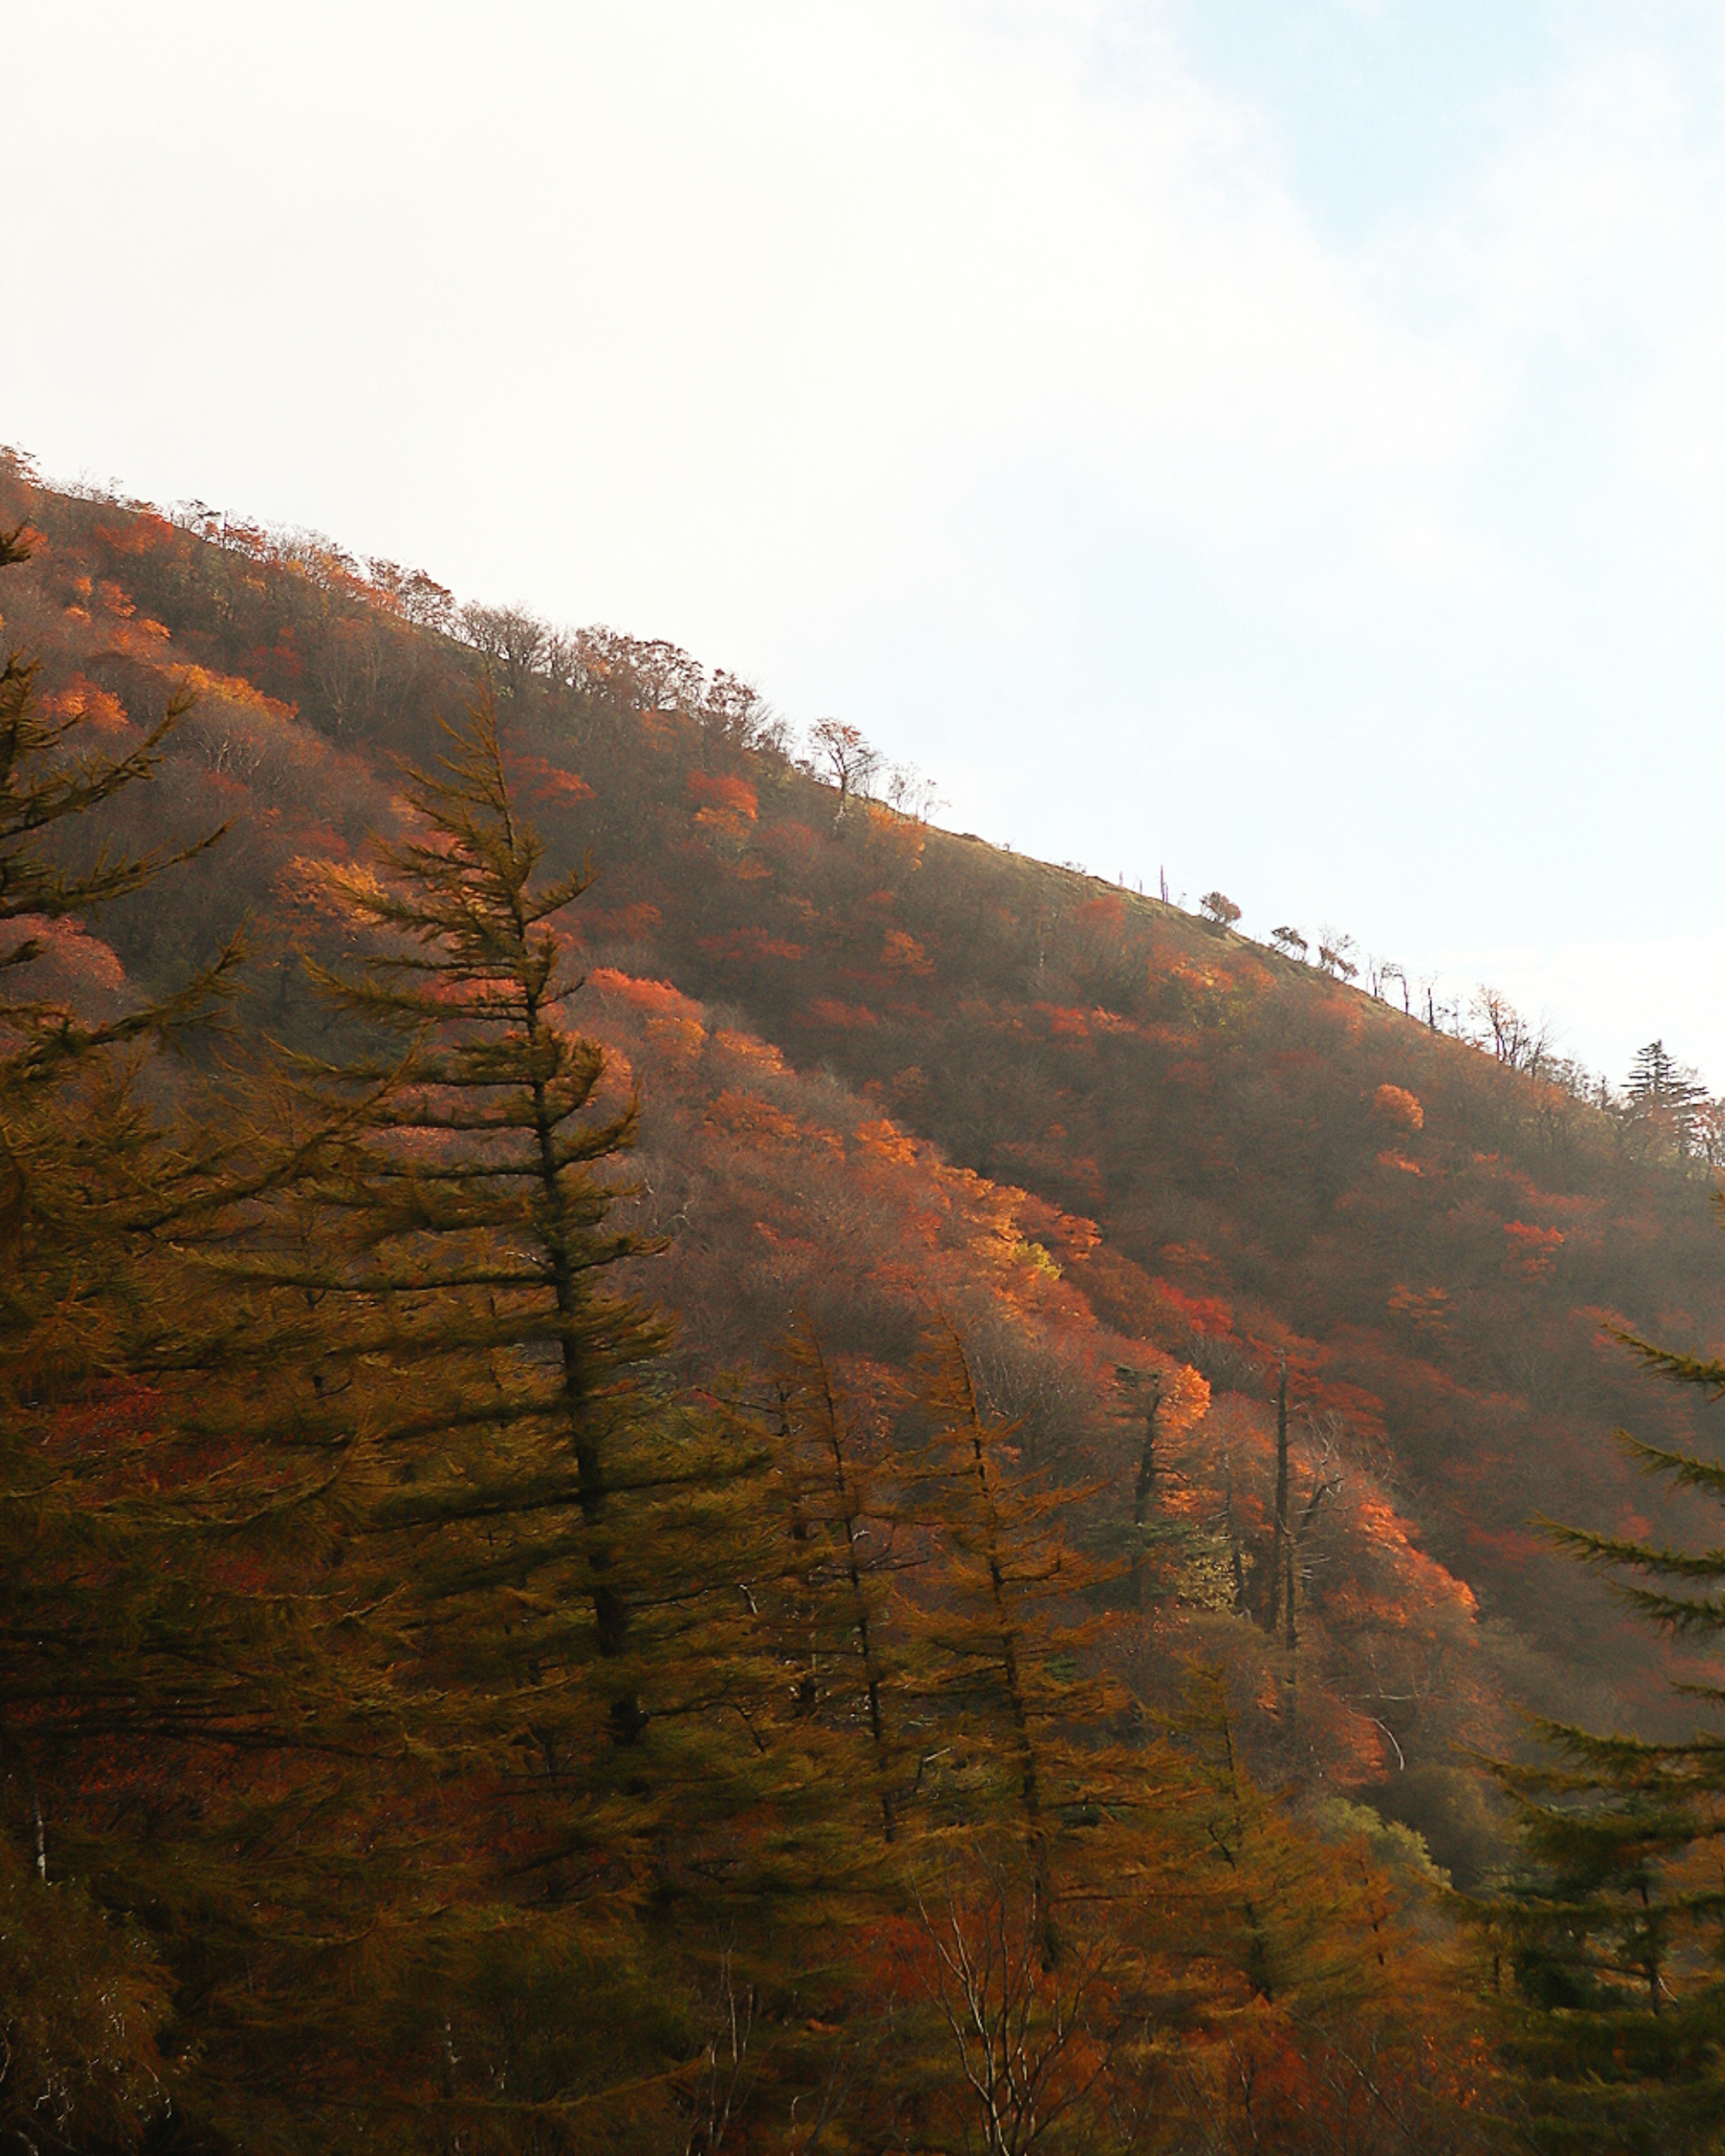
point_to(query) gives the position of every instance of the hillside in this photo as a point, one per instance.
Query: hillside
(690, 1466)
(884, 1066)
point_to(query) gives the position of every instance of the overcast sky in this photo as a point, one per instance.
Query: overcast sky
(1278, 441)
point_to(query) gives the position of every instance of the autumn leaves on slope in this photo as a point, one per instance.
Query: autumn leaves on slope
(847, 1219)
(1221, 1127)
(423, 1727)
(739, 1159)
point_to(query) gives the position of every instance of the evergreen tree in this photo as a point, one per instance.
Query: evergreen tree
(1032, 1749)
(836, 1615)
(472, 1176)
(1614, 1940)
(1661, 1087)
(553, 1554)
(140, 1654)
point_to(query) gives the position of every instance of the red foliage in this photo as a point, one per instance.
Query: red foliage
(1203, 1313)
(828, 1010)
(718, 799)
(1105, 913)
(548, 784)
(1532, 1251)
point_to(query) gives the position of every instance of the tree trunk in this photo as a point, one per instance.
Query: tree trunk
(1144, 1495)
(1278, 1548)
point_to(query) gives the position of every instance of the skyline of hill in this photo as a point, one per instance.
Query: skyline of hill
(1195, 1150)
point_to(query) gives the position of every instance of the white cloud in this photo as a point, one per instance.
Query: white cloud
(730, 276)
(976, 369)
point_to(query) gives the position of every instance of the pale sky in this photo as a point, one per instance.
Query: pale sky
(1280, 441)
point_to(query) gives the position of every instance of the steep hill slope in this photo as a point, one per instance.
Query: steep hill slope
(884, 1064)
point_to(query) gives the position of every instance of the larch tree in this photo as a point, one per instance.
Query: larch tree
(554, 1551)
(1612, 1941)
(1036, 1753)
(472, 1175)
(836, 1616)
(145, 1650)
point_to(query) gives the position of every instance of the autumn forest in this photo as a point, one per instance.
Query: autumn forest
(690, 1466)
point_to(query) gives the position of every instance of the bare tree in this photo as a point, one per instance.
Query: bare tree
(734, 711)
(841, 749)
(1028, 2043)
(513, 642)
(1512, 1038)
(911, 793)
(721, 2085)
(1335, 952)
(415, 596)
(351, 661)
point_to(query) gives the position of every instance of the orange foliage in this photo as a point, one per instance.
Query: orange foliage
(1391, 1533)
(1105, 914)
(1185, 1398)
(1203, 980)
(745, 1048)
(232, 688)
(679, 1036)
(728, 801)
(625, 924)
(1532, 1251)
(885, 1141)
(897, 838)
(1361, 1409)
(904, 954)
(1070, 1235)
(1238, 1134)
(1427, 1309)
(72, 964)
(141, 532)
(1202, 1313)
(549, 784)
(755, 1121)
(81, 699)
(1193, 1263)
(1395, 1105)
(658, 997)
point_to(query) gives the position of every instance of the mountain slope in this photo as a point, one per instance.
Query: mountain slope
(888, 1066)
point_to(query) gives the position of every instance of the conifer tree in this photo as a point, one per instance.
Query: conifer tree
(1000, 1558)
(838, 1621)
(1052, 1763)
(289, 1563)
(472, 1179)
(552, 1552)
(1614, 1941)
(137, 1659)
